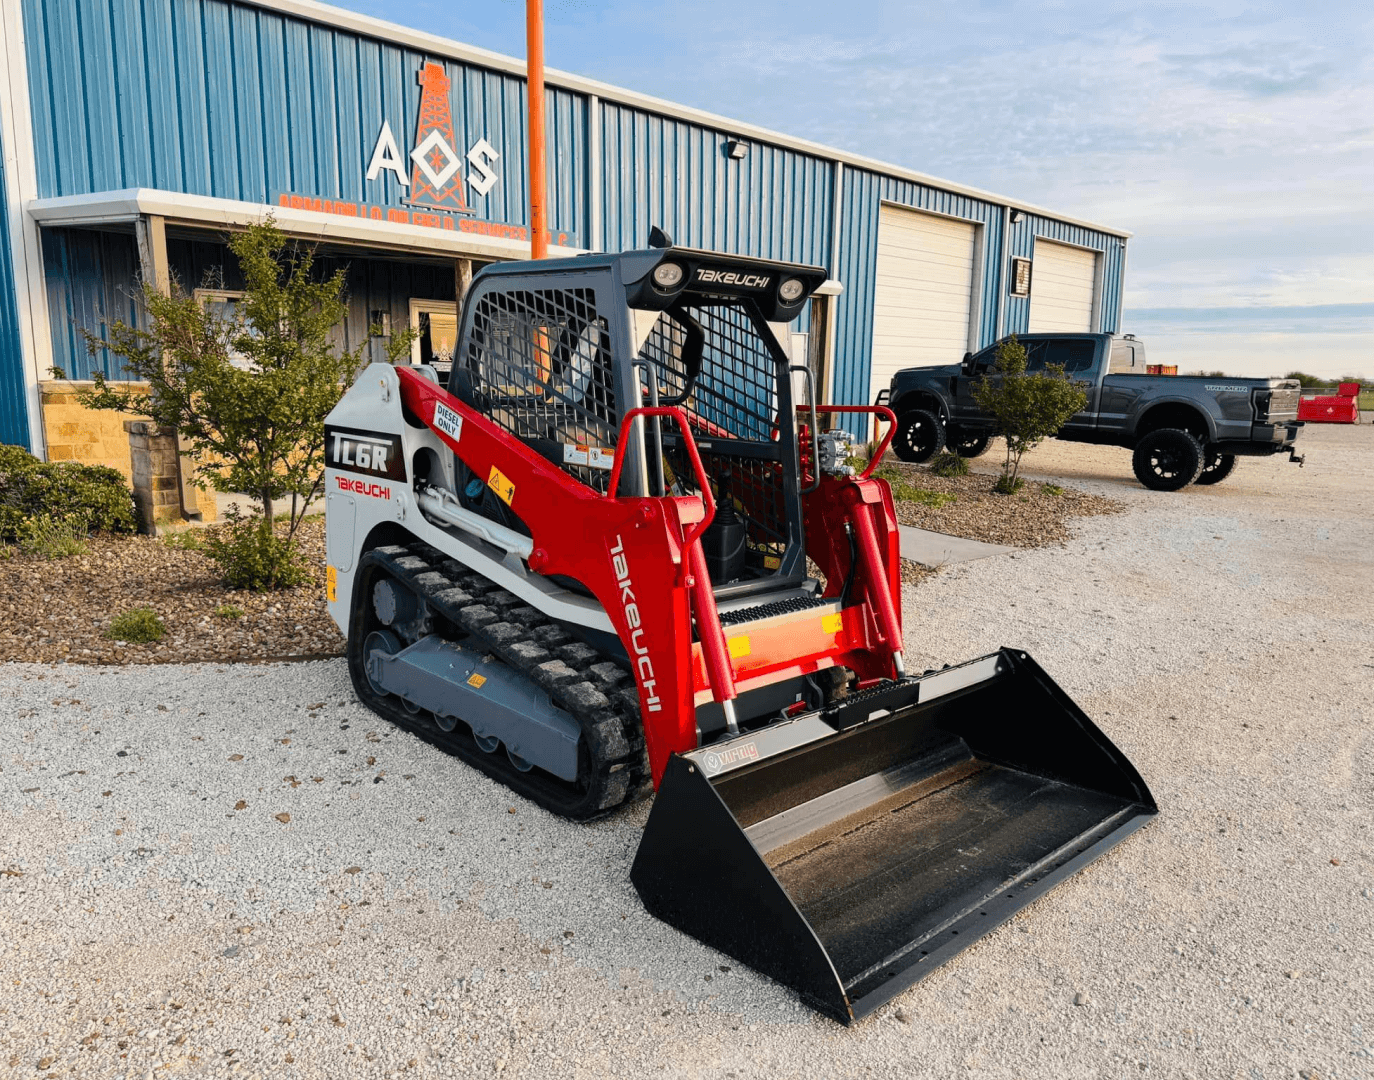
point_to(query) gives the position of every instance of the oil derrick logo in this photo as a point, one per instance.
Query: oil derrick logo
(437, 177)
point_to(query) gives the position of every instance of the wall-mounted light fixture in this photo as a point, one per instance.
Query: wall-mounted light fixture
(737, 149)
(1017, 217)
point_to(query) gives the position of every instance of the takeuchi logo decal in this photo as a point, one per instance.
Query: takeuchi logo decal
(433, 175)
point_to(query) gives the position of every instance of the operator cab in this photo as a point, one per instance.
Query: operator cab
(557, 355)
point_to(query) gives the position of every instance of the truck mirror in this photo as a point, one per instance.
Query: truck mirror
(968, 363)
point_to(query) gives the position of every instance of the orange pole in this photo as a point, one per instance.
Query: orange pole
(539, 224)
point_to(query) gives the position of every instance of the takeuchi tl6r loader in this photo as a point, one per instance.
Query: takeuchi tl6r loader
(610, 550)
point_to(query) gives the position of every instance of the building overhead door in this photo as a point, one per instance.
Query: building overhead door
(923, 294)
(1063, 289)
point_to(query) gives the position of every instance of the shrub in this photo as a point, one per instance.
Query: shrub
(252, 555)
(904, 491)
(229, 611)
(1026, 408)
(1008, 484)
(138, 626)
(13, 458)
(248, 390)
(947, 464)
(46, 537)
(96, 496)
(184, 540)
(1052, 489)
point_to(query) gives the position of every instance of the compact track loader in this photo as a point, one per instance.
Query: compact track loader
(611, 551)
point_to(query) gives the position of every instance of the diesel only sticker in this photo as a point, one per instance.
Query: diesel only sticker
(448, 421)
(370, 453)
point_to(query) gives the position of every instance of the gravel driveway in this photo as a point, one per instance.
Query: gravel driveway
(211, 871)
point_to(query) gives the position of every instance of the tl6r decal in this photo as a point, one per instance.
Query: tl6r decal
(371, 453)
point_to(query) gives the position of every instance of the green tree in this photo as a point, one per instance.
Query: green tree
(1306, 379)
(248, 389)
(1027, 408)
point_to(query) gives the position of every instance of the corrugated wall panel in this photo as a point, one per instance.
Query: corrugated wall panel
(14, 411)
(864, 193)
(89, 278)
(1113, 249)
(775, 203)
(215, 98)
(219, 98)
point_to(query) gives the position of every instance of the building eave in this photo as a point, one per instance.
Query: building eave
(204, 211)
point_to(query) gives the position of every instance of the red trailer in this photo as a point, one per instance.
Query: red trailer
(1343, 408)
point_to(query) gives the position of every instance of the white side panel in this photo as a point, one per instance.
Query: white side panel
(374, 405)
(1063, 289)
(923, 296)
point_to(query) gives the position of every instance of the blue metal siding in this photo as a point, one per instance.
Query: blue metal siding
(773, 204)
(91, 278)
(227, 99)
(214, 98)
(1113, 256)
(14, 407)
(92, 275)
(864, 193)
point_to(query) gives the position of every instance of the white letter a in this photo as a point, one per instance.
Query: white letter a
(385, 155)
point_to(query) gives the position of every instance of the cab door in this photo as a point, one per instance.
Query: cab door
(1078, 355)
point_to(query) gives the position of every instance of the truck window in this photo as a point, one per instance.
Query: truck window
(1076, 354)
(1123, 357)
(1035, 355)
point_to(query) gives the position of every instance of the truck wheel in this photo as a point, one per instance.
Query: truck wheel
(1216, 467)
(920, 436)
(1167, 459)
(970, 444)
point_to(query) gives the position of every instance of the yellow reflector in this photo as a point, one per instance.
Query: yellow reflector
(832, 624)
(738, 646)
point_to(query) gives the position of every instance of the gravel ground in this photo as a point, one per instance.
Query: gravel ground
(54, 610)
(235, 870)
(1037, 515)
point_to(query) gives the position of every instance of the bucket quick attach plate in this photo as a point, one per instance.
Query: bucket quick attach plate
(849, 854)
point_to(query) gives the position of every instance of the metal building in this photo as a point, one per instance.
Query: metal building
(137, 132)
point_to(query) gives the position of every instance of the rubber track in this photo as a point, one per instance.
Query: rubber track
(599, 692)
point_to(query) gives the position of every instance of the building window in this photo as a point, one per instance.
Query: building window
(436, 323)
(225, 304)
(1020, 277)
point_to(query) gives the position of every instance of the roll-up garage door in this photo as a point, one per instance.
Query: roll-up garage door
(923, 296)
(1063, 280)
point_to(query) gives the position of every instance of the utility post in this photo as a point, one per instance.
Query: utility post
(539, 223)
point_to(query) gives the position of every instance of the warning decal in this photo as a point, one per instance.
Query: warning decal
(503, 487)
(331, 584)
(595, 457)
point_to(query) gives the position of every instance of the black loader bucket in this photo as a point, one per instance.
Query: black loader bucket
(848, 853)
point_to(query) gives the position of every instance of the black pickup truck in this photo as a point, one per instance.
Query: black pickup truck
(1182, 428)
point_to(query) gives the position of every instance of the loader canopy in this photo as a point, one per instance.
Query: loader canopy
(849, 853)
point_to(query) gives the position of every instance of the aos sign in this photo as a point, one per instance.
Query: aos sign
(433, 174)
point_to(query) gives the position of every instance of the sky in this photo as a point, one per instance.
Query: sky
(1235, 140)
